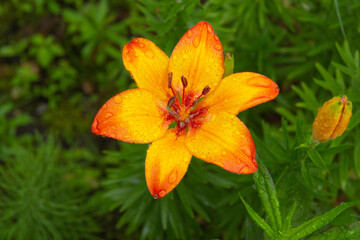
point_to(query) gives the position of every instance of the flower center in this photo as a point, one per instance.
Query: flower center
(183, 110)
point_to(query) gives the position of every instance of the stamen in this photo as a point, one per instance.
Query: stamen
(171, 101)
(170, 75)
(205, 91)
(184, 83)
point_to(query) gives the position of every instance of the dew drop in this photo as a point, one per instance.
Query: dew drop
(218, 47)
(118, 99)
(141, 45)
(96, 125)
(196, 41)
(156, 196)
(216, 38)
(173, 176)
(189, 34)
(108, 115)
(162, 193)
(149, 53)
(112, 135)
(135, 41)
(209, 29)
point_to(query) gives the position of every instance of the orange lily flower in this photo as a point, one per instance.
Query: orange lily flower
(187, 91)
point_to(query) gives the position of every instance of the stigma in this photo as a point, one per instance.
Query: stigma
(183, 107)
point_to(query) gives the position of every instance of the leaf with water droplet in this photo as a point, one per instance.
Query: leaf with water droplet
(318, 222)
(259, 221)
(267, 193)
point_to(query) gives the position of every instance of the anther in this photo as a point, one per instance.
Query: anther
(171, 101)
(170, 75)
(195, 103)
(206, 90)
(184, 81)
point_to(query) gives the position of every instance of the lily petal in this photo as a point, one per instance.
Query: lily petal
(198, 56)
(241, 91)
(225, 141)
(135, 115)
(167, 161)
(148, 64)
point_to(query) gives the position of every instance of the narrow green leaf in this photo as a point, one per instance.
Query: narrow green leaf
(306, 175)
(288, 218)
(267, 193)
(258, 220)
(317, 159)
(314, 224)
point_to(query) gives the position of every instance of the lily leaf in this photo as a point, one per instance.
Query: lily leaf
(267, 193)
(259, 221)
(314, 224)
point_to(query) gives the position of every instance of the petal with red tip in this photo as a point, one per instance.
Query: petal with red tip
(166, 163)
(148, 64)
(135, 115)
(225, 141)
(198, 56)
(241, 91)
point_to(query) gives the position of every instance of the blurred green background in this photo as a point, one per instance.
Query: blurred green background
(61, 60)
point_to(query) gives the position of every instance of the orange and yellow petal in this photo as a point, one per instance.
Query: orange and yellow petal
(198, 56)
(241, 91)
(135, 116)
(225, 141)
(167, 161)
(332, 119)
(148, 64)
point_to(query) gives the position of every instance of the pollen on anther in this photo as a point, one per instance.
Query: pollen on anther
(171, 101)
(206, 90)
(184, 81)
(170, 75)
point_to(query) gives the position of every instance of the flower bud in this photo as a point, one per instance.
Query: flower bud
(332, 119)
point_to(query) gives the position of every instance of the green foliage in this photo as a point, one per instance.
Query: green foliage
(267, 194)
(61, 60)
(38, 200)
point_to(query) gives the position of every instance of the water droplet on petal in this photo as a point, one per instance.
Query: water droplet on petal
(189, 34)
(141, 45)
(218, 47)
(217, 38)
(173, 176)
(209, 29)
(96, 125)
(118, 99)
(156, 196)
(149, 53)
(162, 193)
(112, 135)
(135, 40)
(108, 115)
(196, 41)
